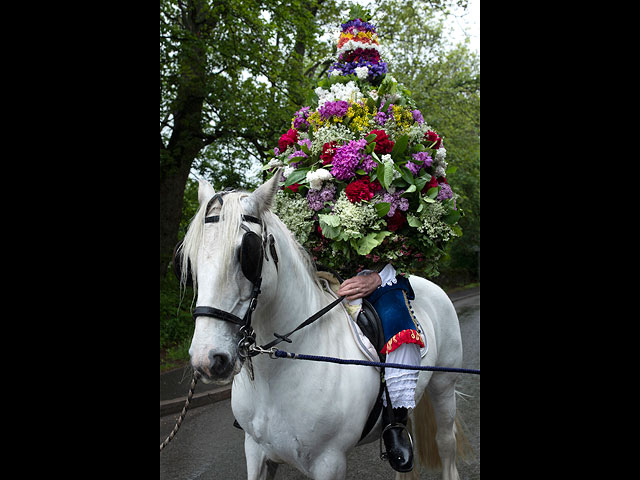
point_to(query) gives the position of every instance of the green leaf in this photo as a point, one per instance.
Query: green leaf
(451, 170)
(407, 176)
(296, 176)
(370, 138)
(433, 192)
(451, 218)
(305, 149)
(330, 220)
(399, 147)
(370, 241)
(420, 183)
(382, 208)
(387, 176)
(369, 149)
(413, 221)
(330, 225)
(411, 189)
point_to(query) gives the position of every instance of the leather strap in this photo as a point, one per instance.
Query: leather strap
(248, 218)
(308, 321)
(217, 313)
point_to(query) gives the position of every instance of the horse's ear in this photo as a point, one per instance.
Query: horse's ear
(205, 191)
(263, 196)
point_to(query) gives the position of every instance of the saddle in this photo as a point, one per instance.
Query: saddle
(371, 326)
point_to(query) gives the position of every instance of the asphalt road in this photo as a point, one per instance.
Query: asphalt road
(209, 447)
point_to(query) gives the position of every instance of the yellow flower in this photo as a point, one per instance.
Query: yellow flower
(315, 121)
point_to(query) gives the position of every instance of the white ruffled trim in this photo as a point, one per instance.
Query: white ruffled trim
(401, 383)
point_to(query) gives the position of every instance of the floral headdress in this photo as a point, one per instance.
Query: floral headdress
(364, 178)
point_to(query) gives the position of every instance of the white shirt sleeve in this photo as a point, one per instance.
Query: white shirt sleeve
(387, 275)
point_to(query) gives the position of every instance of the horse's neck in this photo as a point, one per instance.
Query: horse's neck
(298, 296)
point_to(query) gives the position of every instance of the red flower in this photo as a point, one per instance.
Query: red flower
(289, 138)
(328, 151)
(432, 183)
(293, 187)
(396, 222)
(433, 137)
(383, 144)
(375, 186)
(359, 190)
(443, 180)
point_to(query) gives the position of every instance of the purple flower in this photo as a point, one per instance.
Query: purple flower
(305, 141)
(422, 159)
(298, 153)
(368, 163)
(359, 25)
(381, 118)
(445, 192)
(348, 68)
(300, 120)
(317, 198)
(396, 202)
(413, 168)
(329, 109)
(346, 159)
(417, 116)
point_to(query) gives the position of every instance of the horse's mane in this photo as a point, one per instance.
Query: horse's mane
(227, 231)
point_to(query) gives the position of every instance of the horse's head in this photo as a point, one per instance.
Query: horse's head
(225, 249)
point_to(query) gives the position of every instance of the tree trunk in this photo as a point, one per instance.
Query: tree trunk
(187, 137)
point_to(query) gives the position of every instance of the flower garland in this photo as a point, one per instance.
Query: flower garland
(364, 175)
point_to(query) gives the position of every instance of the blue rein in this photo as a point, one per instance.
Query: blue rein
(299, 356)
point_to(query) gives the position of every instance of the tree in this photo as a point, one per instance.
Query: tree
(231, 74)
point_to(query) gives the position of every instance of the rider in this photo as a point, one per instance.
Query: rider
(390, 294)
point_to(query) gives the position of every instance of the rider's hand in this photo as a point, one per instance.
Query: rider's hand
(360, 286)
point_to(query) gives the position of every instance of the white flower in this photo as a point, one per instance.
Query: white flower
(441, 153)
(362, 72)
(316, 178)
(373, 94)
(288, 170)
(352, 45)
(339, 91)
(274, 162)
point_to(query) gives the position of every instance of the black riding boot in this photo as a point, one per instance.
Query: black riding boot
(399, 449)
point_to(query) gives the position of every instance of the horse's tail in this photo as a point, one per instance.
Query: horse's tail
(423, 431)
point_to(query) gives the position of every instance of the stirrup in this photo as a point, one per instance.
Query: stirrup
(384, 455)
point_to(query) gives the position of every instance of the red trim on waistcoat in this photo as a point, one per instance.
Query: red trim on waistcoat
(405, 336)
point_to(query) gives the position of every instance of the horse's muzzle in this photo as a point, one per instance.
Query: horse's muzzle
(217, 367)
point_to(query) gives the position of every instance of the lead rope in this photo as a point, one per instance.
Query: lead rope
(194, 381)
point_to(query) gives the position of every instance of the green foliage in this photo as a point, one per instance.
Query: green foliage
(176, 324)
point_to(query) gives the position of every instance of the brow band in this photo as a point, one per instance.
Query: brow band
(247, 218)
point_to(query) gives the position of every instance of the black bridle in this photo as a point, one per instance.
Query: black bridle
(252, 270)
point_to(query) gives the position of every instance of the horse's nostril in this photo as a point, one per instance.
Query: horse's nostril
(219, 363)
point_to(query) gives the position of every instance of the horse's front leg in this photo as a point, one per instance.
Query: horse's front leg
(332, 465)
(259, 467)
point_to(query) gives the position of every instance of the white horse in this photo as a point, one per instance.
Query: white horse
(306, 414)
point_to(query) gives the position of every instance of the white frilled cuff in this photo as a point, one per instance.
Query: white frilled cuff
(401, 383)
